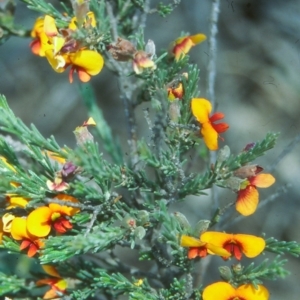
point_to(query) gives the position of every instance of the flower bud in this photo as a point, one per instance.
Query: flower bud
(225, 273)
(139, 232)
(83, 135)
(143, 217)
(201, 226)
(249, 146)
(182, 220)
(233, 183)
(247, 171)
(237, 268)
(69, 170)
(123, 50)
(129, 222)
(150, 48)
(223, 154)
(174, 110)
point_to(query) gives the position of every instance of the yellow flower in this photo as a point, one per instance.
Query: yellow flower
(62, 50)
(41, 220)
(58, 285)
(225, 291)
(248, 196)
(200, 248)
(141, 60)
(201, 109)
(236, 244)
(181, 46)
(20, 233)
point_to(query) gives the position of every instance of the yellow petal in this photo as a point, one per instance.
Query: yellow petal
(57, 62)
(39, 221)
(216, 250)
(210, 136)
(45, 44)
(38, 27)
(6, 222)
(72, 24)
(201, 108)
(51, 270)
(16, 201)
(248, 291)
(70, 211)
(219, 291)
(56, 156)
(262, 180)
(18, 229)
(216, 238)
(188, 241)
(90, 18)
(90, 122)
(91, 61)
(49, 26)
(61, 285)
(198, 38)
(252, 245)
(247, 200)
(58, 43)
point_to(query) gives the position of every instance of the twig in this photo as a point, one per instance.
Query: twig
(125, 91)
(113, 22)
(93, 219)
(73, 204)
(212, 44)
(126, 95)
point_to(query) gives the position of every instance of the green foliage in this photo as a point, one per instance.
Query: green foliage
(124, 196)
(256, 274)
(11, 284)
(282, 247)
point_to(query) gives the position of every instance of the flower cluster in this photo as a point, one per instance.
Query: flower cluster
(212, 242)
(62, 49)
(31, 231)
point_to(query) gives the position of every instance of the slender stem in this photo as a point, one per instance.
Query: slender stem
(126, 96)
(212, 44)
(126, 91)
(113, 22)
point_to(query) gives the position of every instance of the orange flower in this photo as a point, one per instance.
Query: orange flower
(201, 108)
(248, 196)
(225, 291)
(62, 50)
(175, 88)
(236, 244)
(42, 219)
(57, 284)
(199, 248)
(20, 233)
(141, 60)
(181, 46)
(40, 38)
